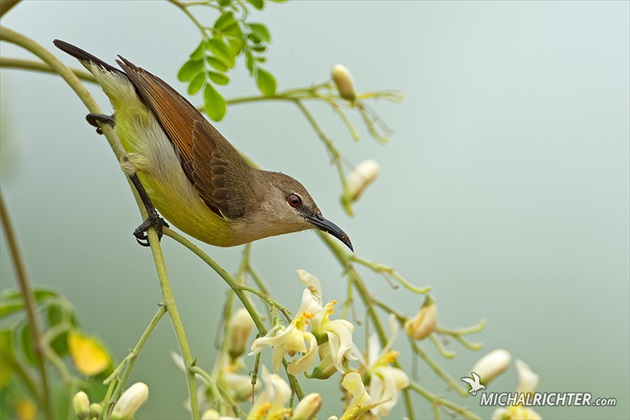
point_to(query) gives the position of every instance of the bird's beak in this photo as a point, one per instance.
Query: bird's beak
(329, 227)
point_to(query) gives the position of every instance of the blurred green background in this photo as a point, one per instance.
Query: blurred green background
(505, 186)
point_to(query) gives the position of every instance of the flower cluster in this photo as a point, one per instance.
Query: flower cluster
(328, 340)
(313, 334)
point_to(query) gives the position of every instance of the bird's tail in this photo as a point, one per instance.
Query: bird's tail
(83, 56)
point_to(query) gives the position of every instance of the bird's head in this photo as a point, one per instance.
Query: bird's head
(287, 207)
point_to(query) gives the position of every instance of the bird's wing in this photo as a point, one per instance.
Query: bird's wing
(475, 377)
(202, 149)
(175, 114)
(220, 174)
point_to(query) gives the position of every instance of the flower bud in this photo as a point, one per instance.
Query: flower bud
(425, 321)
(360, 178)
(96, 410)
(308, 407)
(241, 326)
(130, 401)
(326, 368)
(492, 365)
(81, 405)
(343, 80)
(527, 379)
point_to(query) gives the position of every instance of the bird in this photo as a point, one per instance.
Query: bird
(474, 383)
(182, 165)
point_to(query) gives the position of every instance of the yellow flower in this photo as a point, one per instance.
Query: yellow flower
(88, 354)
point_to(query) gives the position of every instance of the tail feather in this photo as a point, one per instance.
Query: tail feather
(83, 56)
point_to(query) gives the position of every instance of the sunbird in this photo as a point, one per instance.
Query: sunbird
(183, 167)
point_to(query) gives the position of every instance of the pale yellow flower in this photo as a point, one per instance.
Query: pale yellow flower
(424, 322)
(343, 80)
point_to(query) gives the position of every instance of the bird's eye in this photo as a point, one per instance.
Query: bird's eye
(294, 200)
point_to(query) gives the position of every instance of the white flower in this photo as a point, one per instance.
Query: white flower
(293, 338)
(271, 402)
(527, 379)
(339, 335)
(360, 178)
(361, 400)
(343, 80)
(130, 401)
(386, 381)
(492, 365)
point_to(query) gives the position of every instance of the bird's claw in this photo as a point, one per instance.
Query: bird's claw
(95, 120)
(155, 221)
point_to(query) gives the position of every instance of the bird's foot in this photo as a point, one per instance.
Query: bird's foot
(96, 120)
(154, 220)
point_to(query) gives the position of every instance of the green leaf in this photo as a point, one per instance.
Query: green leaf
(199, 52)
(217, 64)
(9, 308)
(218, 78)
(252, 37)
(261, 59)
(225, 22)
(235, 45)
(196, 83)
(266, 82)
(189, 70)
(258, 4)
(249, 62)
(38, 294)
(214, 105)
(260, 31)
(259, 48)
(224, 3)
(221, 51)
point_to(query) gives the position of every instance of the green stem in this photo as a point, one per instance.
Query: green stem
(183, 8)
(169, 302)
(437, 369)
(130, 360)
(23, 64)
(40, 346)
(218, 395)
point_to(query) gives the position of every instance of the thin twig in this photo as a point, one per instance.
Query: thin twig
(40, 347)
